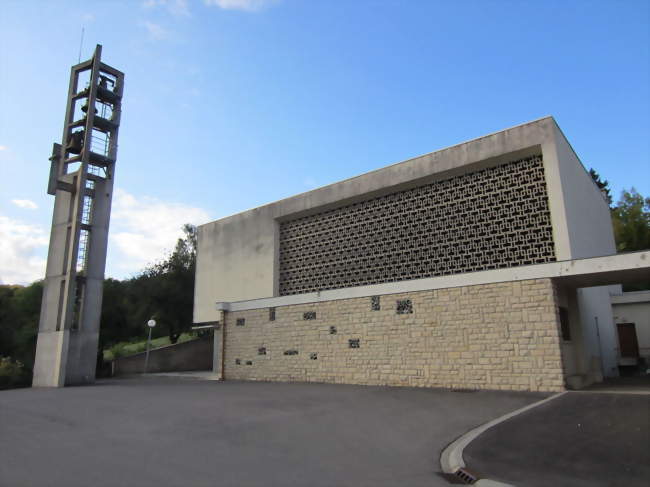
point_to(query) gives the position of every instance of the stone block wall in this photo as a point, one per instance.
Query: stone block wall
(491, 336)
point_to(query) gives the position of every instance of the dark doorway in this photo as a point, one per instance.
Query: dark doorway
(627, 340)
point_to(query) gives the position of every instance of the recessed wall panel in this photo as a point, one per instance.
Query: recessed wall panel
(494, 218)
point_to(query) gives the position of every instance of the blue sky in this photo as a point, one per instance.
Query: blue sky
(230, 104)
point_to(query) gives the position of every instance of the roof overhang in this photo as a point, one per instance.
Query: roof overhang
(628, 268)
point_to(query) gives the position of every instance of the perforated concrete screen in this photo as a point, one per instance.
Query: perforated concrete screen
(489, 219)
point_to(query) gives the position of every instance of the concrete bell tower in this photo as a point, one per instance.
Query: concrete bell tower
(81, 180)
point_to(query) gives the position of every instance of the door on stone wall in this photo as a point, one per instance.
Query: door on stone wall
(627, 340)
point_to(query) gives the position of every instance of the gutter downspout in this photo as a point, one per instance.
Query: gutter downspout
(222, 372)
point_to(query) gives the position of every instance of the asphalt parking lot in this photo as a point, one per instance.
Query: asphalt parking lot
(579, 439)
(183, 432)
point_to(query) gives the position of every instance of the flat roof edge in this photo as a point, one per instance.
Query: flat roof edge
(410, 159)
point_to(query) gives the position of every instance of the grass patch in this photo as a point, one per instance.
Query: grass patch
(129, 348)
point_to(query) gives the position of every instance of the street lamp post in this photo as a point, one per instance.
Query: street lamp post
(150, 324)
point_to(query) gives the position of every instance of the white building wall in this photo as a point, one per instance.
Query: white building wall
(599, 334)
(582, 221)
(588, 220)
(591, 353)
(634, 307)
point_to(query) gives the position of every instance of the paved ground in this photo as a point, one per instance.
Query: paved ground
(580, 439)
(623, 385)
(182, 432)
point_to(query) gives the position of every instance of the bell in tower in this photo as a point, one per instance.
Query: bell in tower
(75, 142)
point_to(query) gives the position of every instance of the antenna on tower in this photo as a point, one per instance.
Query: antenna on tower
(81, 44)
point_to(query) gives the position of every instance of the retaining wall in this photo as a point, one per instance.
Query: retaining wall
(191, 355)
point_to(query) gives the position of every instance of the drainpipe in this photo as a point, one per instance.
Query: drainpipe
(222, 373)
(600, 348)
(223, 311)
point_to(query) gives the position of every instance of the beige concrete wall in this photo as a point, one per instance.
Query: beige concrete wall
(490, 336)
(588, 220)
(235, 260)
(237, 255)
(634, 308)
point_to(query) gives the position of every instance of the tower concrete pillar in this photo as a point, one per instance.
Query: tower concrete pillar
(81, 180)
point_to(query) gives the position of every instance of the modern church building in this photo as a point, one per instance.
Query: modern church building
(486, 265)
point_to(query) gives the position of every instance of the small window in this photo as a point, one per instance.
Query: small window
(354, 343)
(241, 321)
(271, 314)
(404, 306)
(261, 351)
(332, 330)
(375, 304)
(564, 324)
(309, 315)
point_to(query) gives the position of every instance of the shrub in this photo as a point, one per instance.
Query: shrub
(118, 350)
(12, 374)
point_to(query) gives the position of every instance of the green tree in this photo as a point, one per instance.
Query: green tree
(28, 307)
(163, 291)
(631, 220)
(8, 320)
(602, 184)
(630, 216)
(19, 315)
(169, 287)
(115, 320)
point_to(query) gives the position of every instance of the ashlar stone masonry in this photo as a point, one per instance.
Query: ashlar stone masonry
(492, 336)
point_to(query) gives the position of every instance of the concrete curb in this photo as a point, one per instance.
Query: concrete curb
(451, 458)
(193, 375)
(491, 483)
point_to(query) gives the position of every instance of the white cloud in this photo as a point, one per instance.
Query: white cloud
(19, 243)
(175, 7)
(26, 204)
(88, 17)
(179, 7)
(246, 5)
(156, 31)
(145, 229)
(3, 147)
